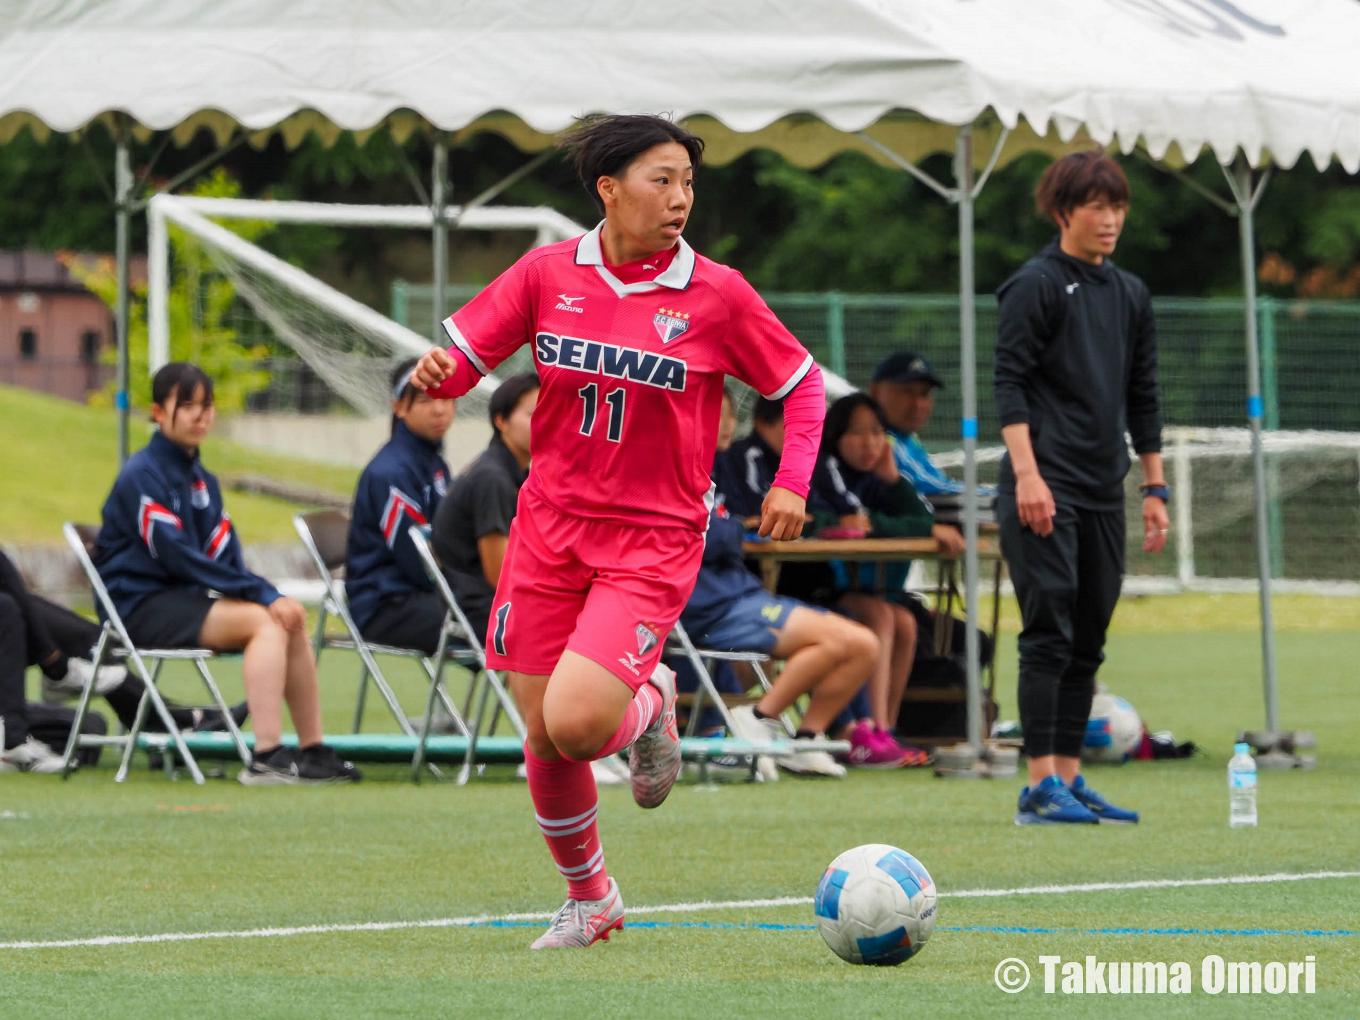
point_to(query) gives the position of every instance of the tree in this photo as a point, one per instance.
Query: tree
(199, 305)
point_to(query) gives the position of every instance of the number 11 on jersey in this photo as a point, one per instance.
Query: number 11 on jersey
(590, 394)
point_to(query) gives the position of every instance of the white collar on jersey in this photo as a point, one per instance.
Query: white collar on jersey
(677, 275)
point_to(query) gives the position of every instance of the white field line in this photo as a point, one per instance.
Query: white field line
(666, 908)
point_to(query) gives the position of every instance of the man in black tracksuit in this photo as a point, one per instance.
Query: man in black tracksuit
(1076, 367)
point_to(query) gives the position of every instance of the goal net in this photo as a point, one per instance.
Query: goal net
(1312, 511)
(320, 360)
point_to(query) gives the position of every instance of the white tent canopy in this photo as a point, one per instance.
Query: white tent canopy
(1274, 80)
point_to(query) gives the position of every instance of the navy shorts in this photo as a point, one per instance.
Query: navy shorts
(172, 618)
(751, 623)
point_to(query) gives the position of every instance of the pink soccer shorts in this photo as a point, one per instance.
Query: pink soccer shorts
(608, 591)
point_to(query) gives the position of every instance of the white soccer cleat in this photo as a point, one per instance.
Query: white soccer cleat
(654, 759)
(582, 922)
(31, 756)
(746, 726)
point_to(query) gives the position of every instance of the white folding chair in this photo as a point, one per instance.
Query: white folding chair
(492, 682)
(700, 658)
(81, 538)
(324, 534)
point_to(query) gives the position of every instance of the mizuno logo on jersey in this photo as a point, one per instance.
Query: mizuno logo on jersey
(565, 304)
(596, 358)
(670, 324)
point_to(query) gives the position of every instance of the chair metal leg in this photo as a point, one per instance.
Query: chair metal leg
(225, 709)
(359, 702)
(426, 722)
(163, 710)
(136, 728)
(465, 773)
(384, 689)
(73, 741)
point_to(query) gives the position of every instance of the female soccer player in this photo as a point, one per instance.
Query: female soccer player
(632, 334)
(167, 541)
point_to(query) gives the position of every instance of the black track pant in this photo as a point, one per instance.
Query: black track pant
(1067, 585)
(34, 631)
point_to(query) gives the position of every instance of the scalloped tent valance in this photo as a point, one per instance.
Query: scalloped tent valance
(798, 77)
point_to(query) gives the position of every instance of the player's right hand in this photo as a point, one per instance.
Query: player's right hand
(434, 366)
(1035, 504)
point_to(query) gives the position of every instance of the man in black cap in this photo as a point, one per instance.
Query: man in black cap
(904, 385)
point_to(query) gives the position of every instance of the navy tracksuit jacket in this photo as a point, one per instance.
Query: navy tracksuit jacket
(165, 527)
(401, 486)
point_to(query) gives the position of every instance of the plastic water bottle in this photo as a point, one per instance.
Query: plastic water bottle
(1241, 787)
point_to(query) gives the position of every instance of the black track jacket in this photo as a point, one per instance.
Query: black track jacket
(1076, 358)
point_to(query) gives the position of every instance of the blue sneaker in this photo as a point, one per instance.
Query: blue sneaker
(1099, 806)
(1051, 803)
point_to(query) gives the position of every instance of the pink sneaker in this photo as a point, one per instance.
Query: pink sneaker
(910, 757)
(868, 752)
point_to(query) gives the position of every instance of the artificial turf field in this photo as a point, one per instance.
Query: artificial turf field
(85, 859)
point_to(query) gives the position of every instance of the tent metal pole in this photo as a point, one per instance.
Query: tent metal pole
(438, 204)
(1240, 179)
(122, 188)
(963, 178)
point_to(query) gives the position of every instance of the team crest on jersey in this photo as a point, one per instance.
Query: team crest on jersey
(198, 494)
(441, 484)
(670, 323)
(647, 639)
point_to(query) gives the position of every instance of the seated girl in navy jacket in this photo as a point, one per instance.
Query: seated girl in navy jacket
(167, 544)
(857, 485)
(390, 596)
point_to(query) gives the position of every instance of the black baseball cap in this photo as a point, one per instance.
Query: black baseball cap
(906, 366)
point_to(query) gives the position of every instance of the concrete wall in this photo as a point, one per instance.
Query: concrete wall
(334, 439)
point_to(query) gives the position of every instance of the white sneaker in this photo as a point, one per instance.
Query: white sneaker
(654, 759)
(580, 922)
(77, 675)
(758, 731)
(30, 756)
(813, 763)
(608, 771)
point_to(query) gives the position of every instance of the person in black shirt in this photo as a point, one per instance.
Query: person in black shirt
(472, 524)
(1076, 366)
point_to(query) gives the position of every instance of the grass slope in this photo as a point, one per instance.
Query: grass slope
(59, 459)
(88, 858)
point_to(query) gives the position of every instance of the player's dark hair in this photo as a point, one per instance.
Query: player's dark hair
(180, 379)
(508, 395)
(1078, 178)
(403, 390)
(838, 420)
(606, 146)
(769, 412)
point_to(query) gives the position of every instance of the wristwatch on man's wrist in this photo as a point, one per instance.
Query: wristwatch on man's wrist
(1162, 492)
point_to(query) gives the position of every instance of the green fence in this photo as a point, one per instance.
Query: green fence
(1310, 351)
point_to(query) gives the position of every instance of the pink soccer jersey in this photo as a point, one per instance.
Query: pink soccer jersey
(627, 417)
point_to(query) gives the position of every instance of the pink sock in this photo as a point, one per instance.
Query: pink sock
(645, 707)
(564, 804)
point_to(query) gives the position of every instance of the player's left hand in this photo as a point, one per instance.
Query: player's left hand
(782, 515)
(1156, 524)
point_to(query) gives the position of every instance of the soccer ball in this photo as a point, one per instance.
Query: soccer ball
(876, 905)
(1113, 732)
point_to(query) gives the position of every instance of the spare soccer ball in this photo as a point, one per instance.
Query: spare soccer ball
(876, 905)
(1113, 732)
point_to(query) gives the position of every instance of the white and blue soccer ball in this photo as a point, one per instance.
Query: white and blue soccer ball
(1113, 731)
(876, 904)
